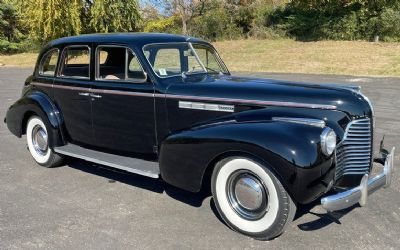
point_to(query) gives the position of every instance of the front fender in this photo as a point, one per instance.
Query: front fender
(35, 103)
(291, 150)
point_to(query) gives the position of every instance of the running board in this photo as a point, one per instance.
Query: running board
(133, 165)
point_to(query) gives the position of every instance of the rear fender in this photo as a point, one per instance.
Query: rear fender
(40, 104)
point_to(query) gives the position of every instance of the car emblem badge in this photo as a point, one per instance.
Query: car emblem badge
(206, 106)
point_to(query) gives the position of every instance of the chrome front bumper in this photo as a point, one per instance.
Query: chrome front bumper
(359, 194)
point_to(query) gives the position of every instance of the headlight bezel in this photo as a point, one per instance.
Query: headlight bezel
(328, 141)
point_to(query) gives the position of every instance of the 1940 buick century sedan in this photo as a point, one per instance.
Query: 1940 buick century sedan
(166, 106)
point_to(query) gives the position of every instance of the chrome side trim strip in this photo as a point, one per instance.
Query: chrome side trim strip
(41, 84)
(98, 91)
(206, 106)
(306, 121)
(60, 86)
(118, 92)
(252, 102)
(201, 98)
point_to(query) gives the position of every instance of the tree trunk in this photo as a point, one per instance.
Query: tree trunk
(184, 25)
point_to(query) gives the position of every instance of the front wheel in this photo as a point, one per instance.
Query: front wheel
(250, 199)
(38, 143)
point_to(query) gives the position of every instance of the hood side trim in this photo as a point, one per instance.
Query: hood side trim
(253, 102)
(306, 121)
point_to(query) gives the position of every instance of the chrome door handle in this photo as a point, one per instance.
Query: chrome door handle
(95, 96)
(83, 94)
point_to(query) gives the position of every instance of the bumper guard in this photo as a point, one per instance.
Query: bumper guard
(360, 194)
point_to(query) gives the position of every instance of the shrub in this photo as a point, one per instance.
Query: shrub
(214, 25)
(341, 28)
(387, 24)
(167, 25)
(337, 21)
(7, 47)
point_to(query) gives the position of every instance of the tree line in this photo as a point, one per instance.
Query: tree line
(27, 25)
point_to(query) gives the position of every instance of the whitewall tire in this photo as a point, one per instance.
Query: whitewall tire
(250, 199)
(38, 143)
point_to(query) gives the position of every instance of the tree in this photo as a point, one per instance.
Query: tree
(114, 15)
(51, 19)
(12, 33)
(185, 9)
(10, 27)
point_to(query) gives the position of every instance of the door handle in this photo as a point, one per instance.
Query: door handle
(95, 96)
(83, 94)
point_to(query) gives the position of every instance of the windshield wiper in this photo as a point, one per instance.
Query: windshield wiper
(213, 70)
(185, 74)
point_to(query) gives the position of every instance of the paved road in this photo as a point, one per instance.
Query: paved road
(83, 206)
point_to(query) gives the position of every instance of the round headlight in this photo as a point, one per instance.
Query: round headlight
(328, 141)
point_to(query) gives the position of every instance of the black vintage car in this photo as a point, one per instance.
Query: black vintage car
(166, 106)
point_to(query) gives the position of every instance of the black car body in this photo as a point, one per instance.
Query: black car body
(181, 123)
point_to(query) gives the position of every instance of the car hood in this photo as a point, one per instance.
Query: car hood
(259, 91)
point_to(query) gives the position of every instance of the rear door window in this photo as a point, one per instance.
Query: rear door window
(76, 62)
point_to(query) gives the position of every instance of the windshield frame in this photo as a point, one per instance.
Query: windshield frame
(220, 62)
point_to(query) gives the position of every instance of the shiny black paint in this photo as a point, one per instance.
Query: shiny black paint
(291, 149)
(75, 109)
(296, 162)
(121, 122)
(266, 89)
(36, 102)
(189, 142)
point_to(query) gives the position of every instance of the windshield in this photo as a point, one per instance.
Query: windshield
(173, 59)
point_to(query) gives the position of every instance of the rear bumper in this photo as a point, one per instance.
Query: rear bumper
(360, 194)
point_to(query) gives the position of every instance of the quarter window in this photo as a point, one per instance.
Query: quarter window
(76, 62)
(48, 63)
(208, 58)
(116, 63)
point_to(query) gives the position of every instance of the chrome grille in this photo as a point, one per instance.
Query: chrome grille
(354, 153)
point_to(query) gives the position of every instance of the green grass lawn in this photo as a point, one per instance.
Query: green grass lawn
(323, 57)
(18, 60)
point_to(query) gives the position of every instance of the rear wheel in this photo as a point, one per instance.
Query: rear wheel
(250, 199)
(38, 143)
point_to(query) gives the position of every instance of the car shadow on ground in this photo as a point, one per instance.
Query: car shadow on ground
(196, 199)
(154, 185)
(323, 218)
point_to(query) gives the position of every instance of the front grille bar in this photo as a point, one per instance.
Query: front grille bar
(354, 153)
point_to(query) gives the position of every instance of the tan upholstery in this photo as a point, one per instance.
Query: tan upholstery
(111, 77)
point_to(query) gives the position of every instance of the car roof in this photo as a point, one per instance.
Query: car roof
(127, 38)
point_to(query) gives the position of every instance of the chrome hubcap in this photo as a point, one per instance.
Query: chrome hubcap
(39, 140)
(247, 195)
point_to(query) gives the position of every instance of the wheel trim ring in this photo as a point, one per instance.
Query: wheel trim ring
(250, 208)
(251, 226)
(40, 140)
